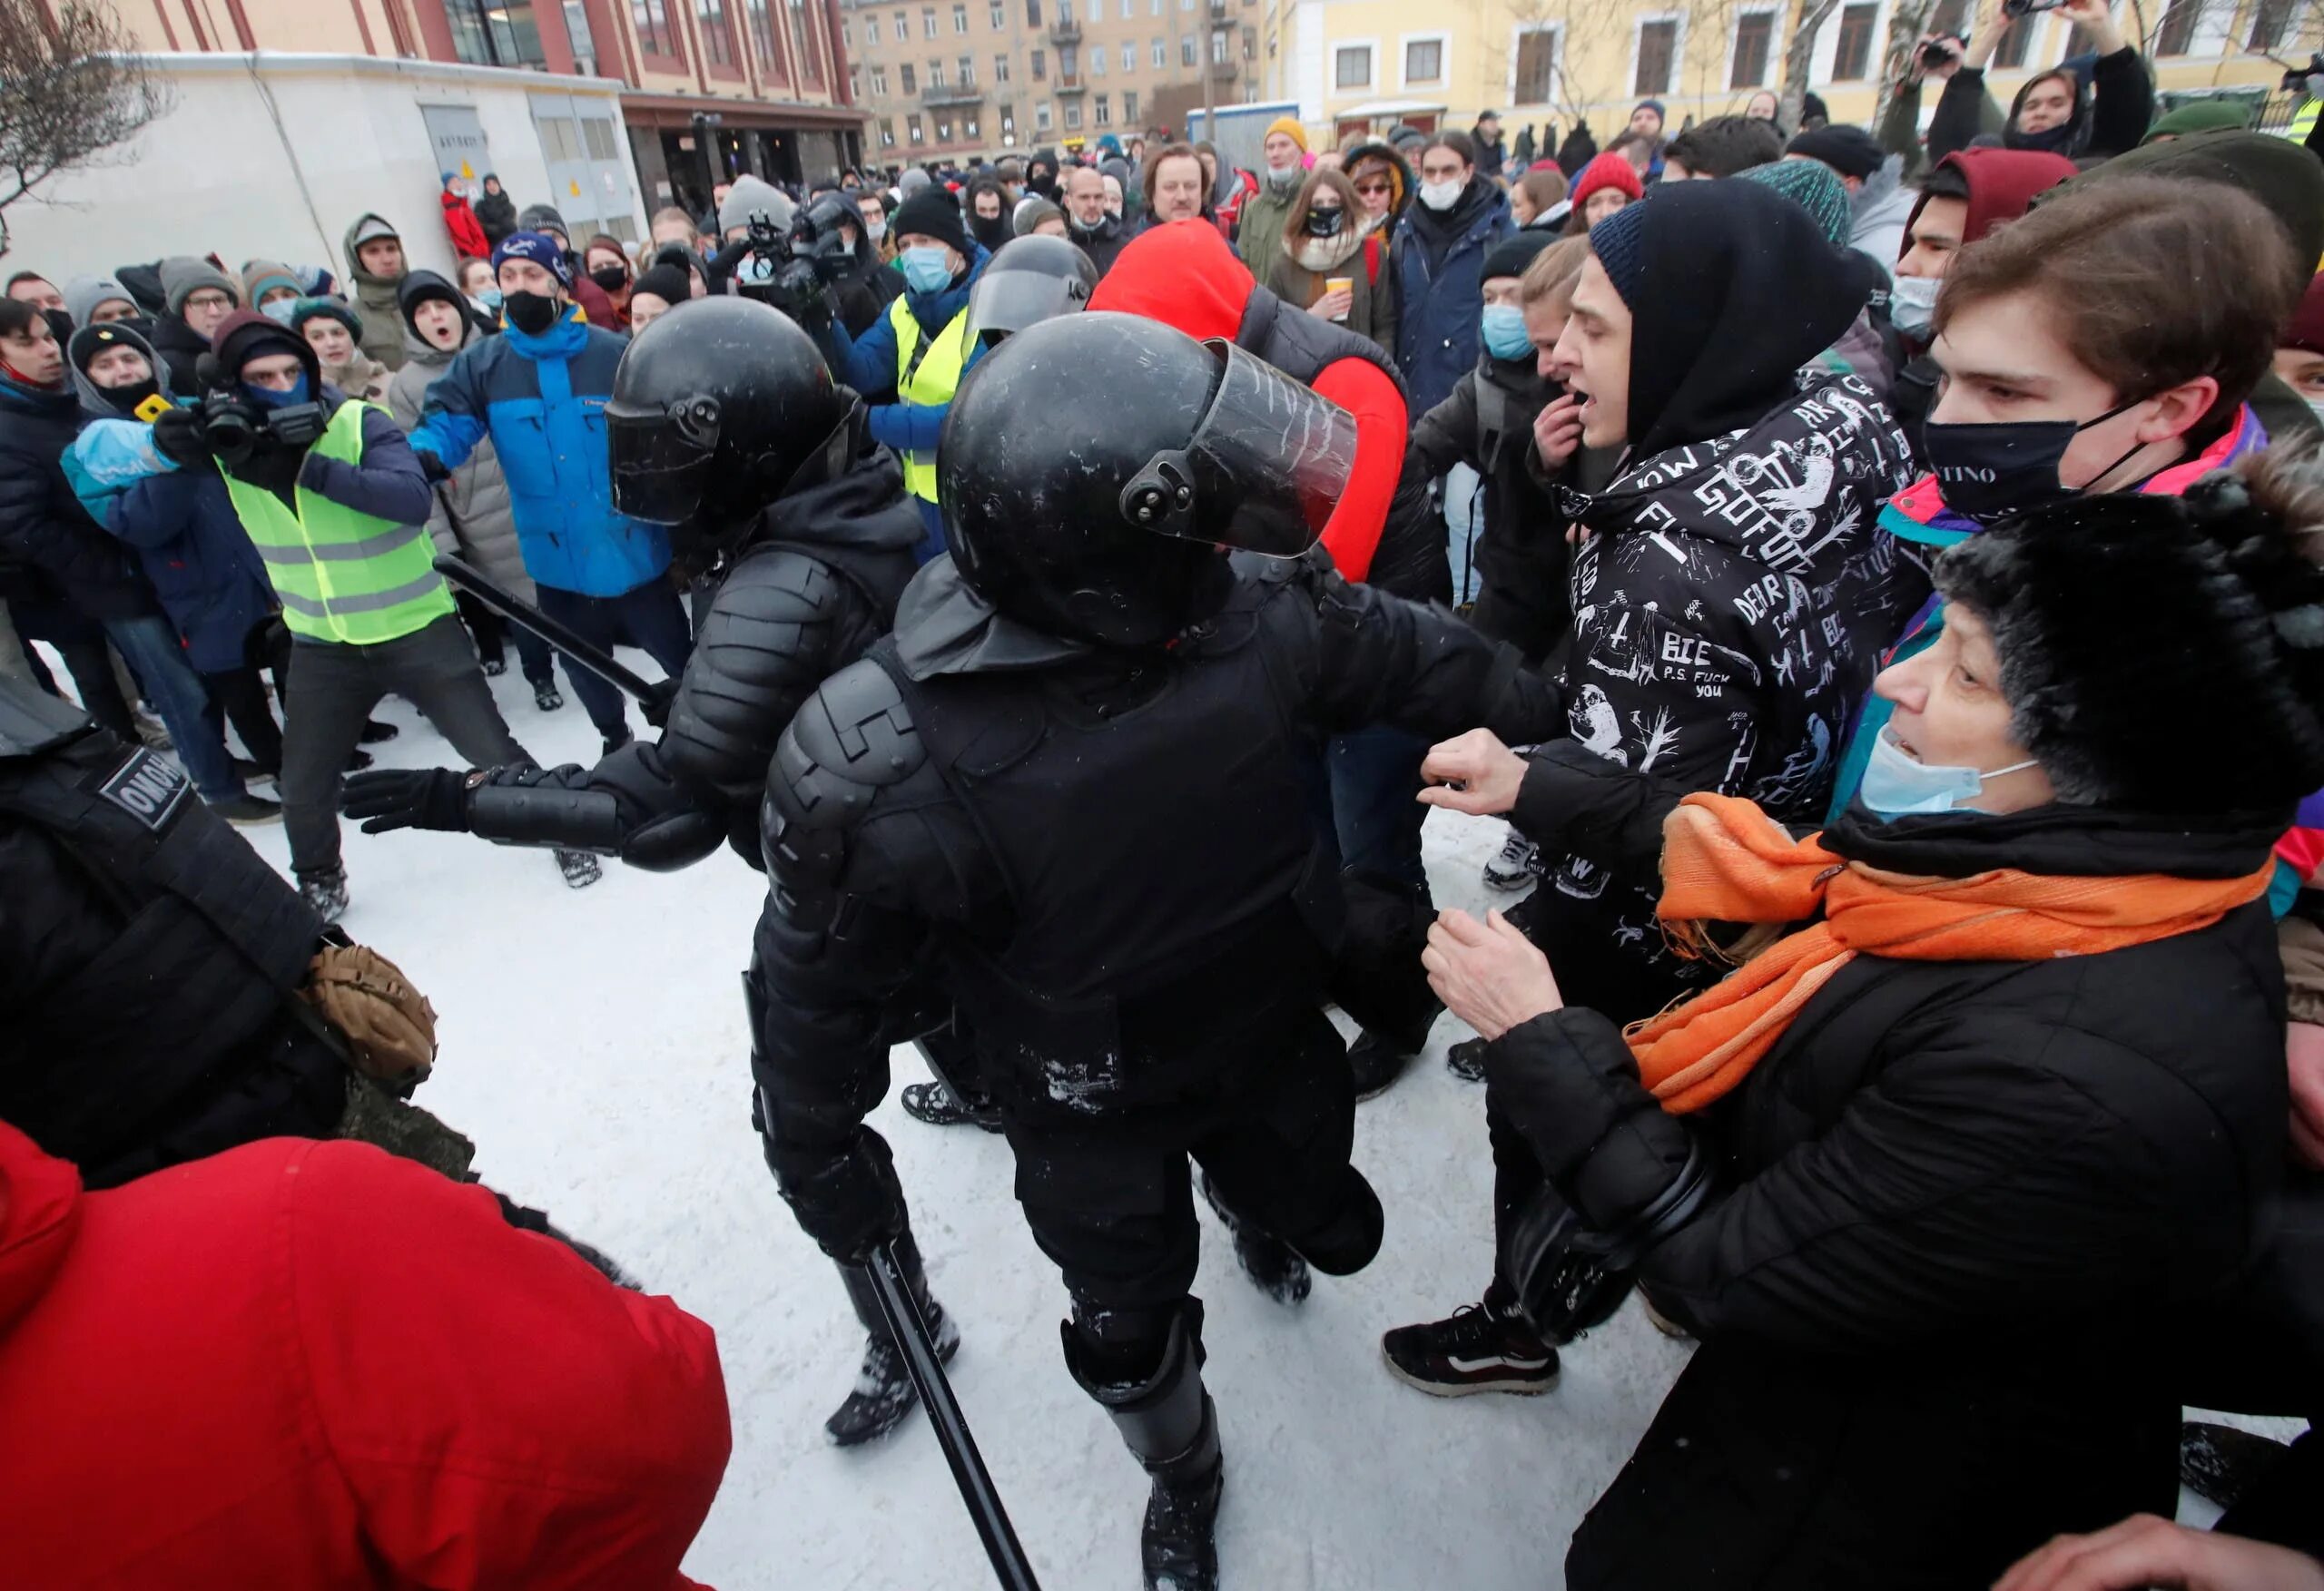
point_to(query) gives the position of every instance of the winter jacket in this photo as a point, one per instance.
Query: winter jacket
(1958, 1214)
(361, 377)
(542, 401)
(209, 577)
(180, 348)
(48, 542)
(2113, 105)
(1730, 608)
(374, 299)
(497, 214)
(1104, 244)
(474, 518)
(1373, 313)
(468, 233)
(1439, 261)
(868, 363)
(303, 1364)
(1258, 236)
(1881, 210)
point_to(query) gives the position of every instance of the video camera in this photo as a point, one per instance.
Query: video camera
(231, 424)
(2015, 8)
(774, 273)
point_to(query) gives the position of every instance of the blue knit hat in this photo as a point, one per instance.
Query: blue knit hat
(1615, 241)
(537, 247)
(1818, 191)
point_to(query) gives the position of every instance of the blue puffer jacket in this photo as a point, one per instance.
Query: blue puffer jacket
(542, 400)
(1440, 261)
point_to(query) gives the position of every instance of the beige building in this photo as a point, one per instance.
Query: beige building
(952, 79)
(1362, 64)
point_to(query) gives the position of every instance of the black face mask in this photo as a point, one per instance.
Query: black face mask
(530, 313)
(1325, 223)
(127, 398)
(612, 277)
(1989, 472)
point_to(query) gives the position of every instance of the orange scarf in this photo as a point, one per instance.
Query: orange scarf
(1725, 860)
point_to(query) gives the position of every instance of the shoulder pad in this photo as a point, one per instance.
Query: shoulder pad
(855, 735)
(768, 633)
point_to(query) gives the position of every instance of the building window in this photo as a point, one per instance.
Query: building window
(656, 36)
(879, 82)
(903, 29)
(1657, 49)
(1250, 43)
(1129, 9)
(717, 43)
(1218, 47)
(936, 74)
(943, 128)
(1129, 57)
(1754, 32)
(1065, 13)
(1032, 13)
(2271, 20)
(1187, 51)
(871, 23)
(1154, 7)
(1537, 66)
(2019, 39)
(913, 123)
(1097, 62)
(1129, 109)
(847, 35)
(970, 128)
(968, 72)
(584, 45)
(887, 133)
(959, 19)
(1069, 62)
(2177, 34)
(1008, 121)
(1104, 117)
(1852, 55)
(998, 16)
(1043, 120)
(1424, 61)
(1161, 53)
(812, 46)
(1072, 115)
(1351, 67)
(1000, 68)
(1041, 67)
(928, 22)
(762, 21)
(911, 78)
(494, 34)
(854, 81)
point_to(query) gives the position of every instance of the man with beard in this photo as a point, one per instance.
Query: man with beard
(1098, 231)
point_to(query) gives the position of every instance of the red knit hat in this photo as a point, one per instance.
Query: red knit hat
(1607, 170)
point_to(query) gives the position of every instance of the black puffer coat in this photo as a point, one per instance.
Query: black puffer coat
(48, 542)
(1963, 1210)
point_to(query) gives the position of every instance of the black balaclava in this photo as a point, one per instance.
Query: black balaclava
(1731, 288)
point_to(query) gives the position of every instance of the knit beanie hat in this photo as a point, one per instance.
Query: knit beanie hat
(932, 214)
(1290, 128)
(537, 247)
(1616, 242)
(1510, 256)
(2281, 174)
(89, 342)
(751, 193)
(338, 309)
(1610, 170)
(1847, 150)
(543, 217)
(1815, 190)
(2306, 328)
(261, 276)
(2200, 116)
(182, 276)
(668, 284)
(418, 288)
(2221, 572)
(244, 335)
(1030, 213)
(1661, 114)
(83, 295)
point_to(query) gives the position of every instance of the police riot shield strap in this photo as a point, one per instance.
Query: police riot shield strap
(662, 456)
(1266, 465)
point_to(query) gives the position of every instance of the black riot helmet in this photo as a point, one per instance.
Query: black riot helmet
(717, 407)
(1030, 279)
(1110, 528)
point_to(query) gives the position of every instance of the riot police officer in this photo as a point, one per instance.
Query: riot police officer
(1075, 777)
(726, 425)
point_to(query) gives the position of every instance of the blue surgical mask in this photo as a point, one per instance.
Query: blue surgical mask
(1896, 785)
(489, 298)
(926, 267)
(1503, 328)
(280, 310)
(268, 397)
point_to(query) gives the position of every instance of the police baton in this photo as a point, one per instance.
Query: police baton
(654, 699)
(910, 1333)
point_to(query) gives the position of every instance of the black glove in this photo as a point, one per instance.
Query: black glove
(270, 463)
(849, 1203)
(432, 466)
(177, 436)
(407, 797)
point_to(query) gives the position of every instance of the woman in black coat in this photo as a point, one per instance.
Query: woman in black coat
(1938, 1178)
(495, 212)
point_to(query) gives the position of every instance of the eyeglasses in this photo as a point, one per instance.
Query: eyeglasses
(209, 300)
(1380, 186)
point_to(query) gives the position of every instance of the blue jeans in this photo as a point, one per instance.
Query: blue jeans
(151, 648)
(650, 618)
(1376, 777)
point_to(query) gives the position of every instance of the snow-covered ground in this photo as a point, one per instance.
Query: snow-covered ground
(595, 1047)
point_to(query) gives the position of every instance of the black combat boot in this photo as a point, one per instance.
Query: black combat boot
(883, 1392)
(1172, 1428)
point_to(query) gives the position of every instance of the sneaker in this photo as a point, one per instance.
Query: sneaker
(2220, 1463)
(151, 731)
(1475, 1351)
(1274, 1266)
(545, 696)
(358, 760)
(1516, 866)
(494, 667)
(251, 773)
(939, 1107)
(246, 811)
(1376, 1063)
(377, 731)
(1466, 1060)
(580, 868)
(884, 1392)
(327, 894)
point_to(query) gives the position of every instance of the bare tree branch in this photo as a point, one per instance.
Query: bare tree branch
(1908, 22)
(1798, 58)
(71, 88)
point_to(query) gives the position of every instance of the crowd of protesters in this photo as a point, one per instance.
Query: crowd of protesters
(1917, 994)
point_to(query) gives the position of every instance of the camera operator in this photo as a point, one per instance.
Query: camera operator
(828, 233)
(318, 480)
(753, 214)
(2059, 111)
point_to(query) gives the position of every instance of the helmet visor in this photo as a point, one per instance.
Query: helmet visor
(1010, 300)
(661, 458)
(1264, 470)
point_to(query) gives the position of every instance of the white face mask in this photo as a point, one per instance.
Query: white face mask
(875, 229)
(1441, 195)
(1912, 304)
(1896, 786)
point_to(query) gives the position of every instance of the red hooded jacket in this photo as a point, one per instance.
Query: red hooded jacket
(2002, 184)
(467, 232)
(301, 1364)
(1183, 274)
